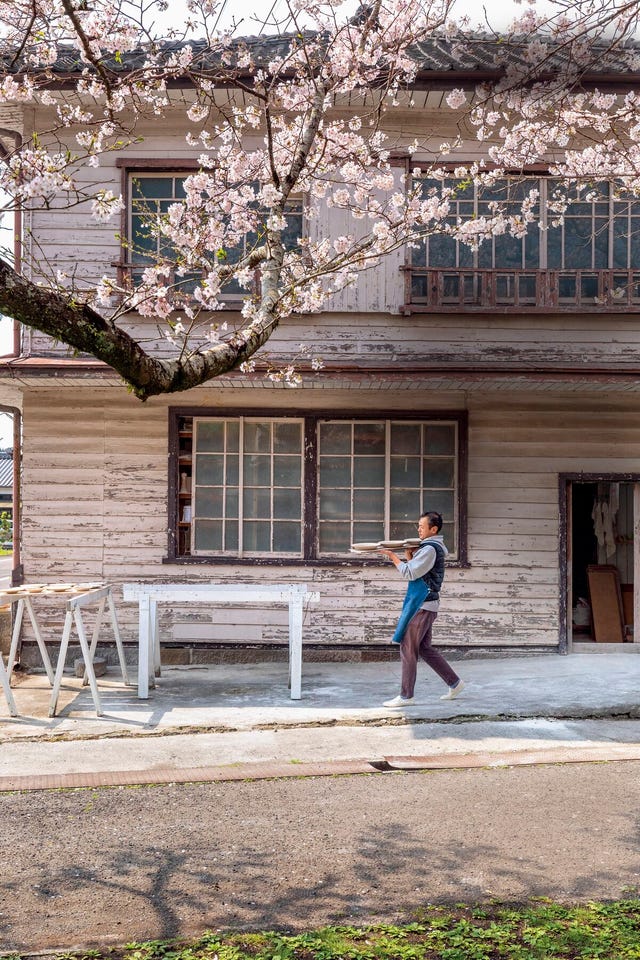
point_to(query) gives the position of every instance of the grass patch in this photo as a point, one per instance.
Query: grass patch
(539, 930)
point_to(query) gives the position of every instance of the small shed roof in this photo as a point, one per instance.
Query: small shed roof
(6, 473)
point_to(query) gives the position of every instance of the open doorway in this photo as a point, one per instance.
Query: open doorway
(600, 561)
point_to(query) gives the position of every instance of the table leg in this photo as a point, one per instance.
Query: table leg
(62, 656)
(155, 639)
(116, 633)
(144, 644)
(4, 681)
(15, 637)
(295, 648)
(41, 644)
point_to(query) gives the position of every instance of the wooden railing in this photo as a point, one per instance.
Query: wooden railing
(469, 289)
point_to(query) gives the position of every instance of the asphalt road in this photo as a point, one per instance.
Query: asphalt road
(111, 865)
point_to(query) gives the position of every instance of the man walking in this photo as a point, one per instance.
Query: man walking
(424, 569)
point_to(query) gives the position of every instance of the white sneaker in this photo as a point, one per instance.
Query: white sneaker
(453, 692)
(398, 702)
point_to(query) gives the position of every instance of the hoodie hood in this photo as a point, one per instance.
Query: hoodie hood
(439, 539)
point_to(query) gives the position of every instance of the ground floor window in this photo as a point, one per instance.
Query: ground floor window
(306, 487)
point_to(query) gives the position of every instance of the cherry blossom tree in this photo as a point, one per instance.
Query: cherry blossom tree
(308, 114)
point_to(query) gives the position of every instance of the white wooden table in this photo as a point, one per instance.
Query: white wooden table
(149, 595)
(75, 600)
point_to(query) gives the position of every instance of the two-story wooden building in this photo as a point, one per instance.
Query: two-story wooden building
(500, 387)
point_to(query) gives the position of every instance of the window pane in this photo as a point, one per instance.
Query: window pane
(208, 534)
(257, 437)
(335, 438)
(256, 502)
(335, 537)
(210, 434)
(438, 473)
(231, 535)
(363, 532)
(402, 530)
(287, 437)
(209, 501)
(157, 187)
(286, 504)
(554, 248)
(369, 438)
(232, 470)
(440, 439)
(368, 505)
(209, 469)
(577, 243)
(448, 532)
(405, 471)
(440, 500)
(233, 434)
(286, 537)
(232, 502)
(257, 470)
(369, 471)
(256, 536)
(405, 438)
(145, 243)
(335, 504)
(335, 472)
(287, 471)
(405, 505)
(442, 252)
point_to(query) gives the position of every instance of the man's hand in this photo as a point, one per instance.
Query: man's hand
(390, 554)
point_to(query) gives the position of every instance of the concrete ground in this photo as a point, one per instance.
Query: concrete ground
(233, 721)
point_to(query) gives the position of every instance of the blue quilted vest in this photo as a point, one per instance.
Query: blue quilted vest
(418, 591)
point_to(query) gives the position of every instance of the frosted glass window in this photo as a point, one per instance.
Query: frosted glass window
(268, 487)
(385, 475)
(248, 480)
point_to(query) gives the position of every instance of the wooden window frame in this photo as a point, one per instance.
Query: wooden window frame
(539, 288)
(129, 167)
(310, 488)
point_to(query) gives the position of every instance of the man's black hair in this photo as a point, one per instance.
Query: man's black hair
(435, 518)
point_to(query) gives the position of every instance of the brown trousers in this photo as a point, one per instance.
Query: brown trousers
(417, 643)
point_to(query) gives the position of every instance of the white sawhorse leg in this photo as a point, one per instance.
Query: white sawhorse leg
(62, 656)
(295, 648)
(86, 656)
(116, 633)
(4, 681)
(88, 659)
(15, 636)
(94, 638)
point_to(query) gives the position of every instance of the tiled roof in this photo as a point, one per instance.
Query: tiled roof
(478, 55)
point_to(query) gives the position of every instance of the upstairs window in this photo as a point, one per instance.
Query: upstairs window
(588, 257)
(151, 194)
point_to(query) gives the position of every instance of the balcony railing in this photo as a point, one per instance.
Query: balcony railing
(469, 289)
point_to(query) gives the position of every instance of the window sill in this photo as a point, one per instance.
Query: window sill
(293, 562)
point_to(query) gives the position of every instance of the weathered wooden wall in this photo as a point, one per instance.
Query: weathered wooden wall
(95, 505)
